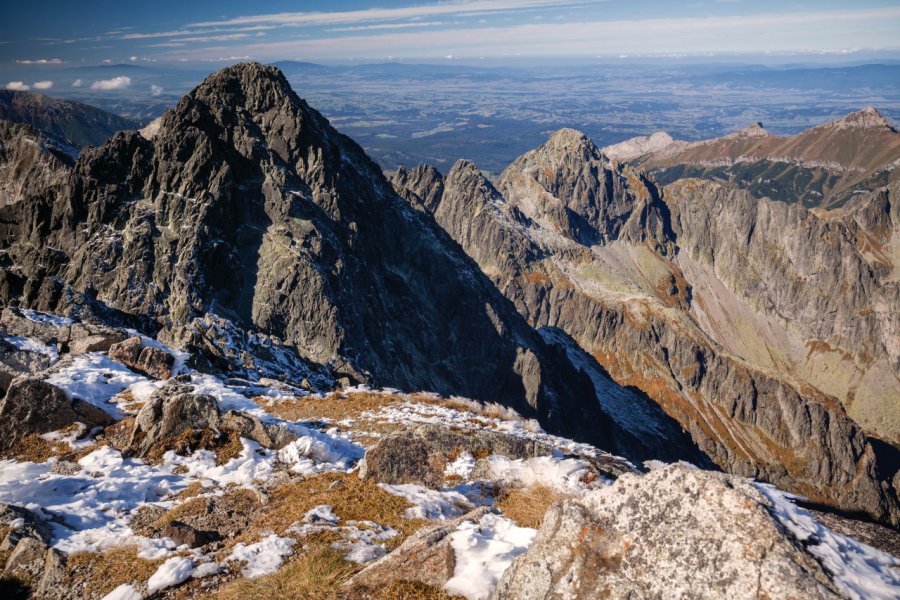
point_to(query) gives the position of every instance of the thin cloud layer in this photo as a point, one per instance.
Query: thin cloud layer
(43, 85)
(19, 86)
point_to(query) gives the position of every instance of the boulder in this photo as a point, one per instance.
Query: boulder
(426, 556)
(421, 455)
(147, 360)
(175, 409)
(676, 532)
(267, 435)
(171, 410)
(184, 534)
(32, 405)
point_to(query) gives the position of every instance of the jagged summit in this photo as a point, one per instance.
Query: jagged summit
(867, 118)
(248, 207)
(754, 130)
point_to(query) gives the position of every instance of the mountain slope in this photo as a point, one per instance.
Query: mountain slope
(639, 297)
(75, 123)
(248, 212)
(821, 167)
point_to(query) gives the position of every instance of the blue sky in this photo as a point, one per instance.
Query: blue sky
(71, 32)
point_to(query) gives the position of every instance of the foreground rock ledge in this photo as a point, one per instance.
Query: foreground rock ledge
(674, 533)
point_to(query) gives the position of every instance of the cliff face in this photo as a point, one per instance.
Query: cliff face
(635, 284)
(248, 212)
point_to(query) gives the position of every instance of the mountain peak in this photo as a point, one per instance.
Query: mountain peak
(248, 84)
(753, 131)
(567, 137)
(867, 118)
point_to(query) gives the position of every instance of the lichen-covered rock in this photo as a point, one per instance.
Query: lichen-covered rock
(676, 532)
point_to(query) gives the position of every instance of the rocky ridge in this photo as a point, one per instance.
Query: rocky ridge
(711, 341)
(324, 261)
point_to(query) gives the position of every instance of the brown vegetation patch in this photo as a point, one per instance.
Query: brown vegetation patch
(527, 506)
(351, 498)
(316, 574)
(101, 573)
(336, 406)
(400, 590)
(225, 444)
(228, 515)
(118, 434)
(36, 449)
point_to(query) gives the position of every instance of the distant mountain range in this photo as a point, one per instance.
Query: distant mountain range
(824, 166)
(70, 122)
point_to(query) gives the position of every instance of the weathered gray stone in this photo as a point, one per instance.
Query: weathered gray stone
(148, 360)
(676, 532)
(425, 556)
(421, 455)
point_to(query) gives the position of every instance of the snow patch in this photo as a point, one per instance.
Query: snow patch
(860, 571)
(484, 550)
(95, 378)
(172, 572)
(430, 504)
(263, 557)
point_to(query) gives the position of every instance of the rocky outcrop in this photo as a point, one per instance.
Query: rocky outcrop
(248, 205)
(32, 405)
(674, 533)
(175, 409)
(712, 351)
(421, 456)
(30, 161)
(426, 556)
(148, 360)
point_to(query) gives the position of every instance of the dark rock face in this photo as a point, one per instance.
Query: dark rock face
(34, 406)
(144, 359)
(248, 205)
(632, 299)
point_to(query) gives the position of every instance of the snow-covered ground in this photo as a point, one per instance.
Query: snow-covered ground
(89, 507)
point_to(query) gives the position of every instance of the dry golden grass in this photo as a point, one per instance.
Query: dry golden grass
(335, 406)
(351, 498)
(316, 574)
(527, 506)
(193, 489)
(36, 449)
(103, 572)
(225, 444)
(408, 590)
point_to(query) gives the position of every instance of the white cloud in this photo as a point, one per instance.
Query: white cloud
(156, 90)
(41, 61)
(808, 31)
(116, 83)
(385, 14)
(77, 83)
(387, 26)
(133, 58)
(43, 85)
(19, 86)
